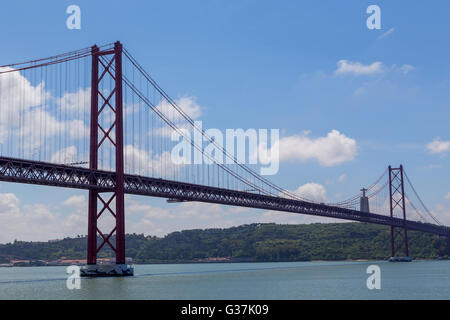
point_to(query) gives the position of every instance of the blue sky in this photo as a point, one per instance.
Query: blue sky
(263, 64)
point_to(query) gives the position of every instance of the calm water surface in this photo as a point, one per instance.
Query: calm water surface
(290, 280)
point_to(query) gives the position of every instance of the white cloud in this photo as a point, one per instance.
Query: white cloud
(142, 162)
(19, 93)
(438, 146)
(65, 156)
(39, 215)
(77, 102)
(38, 125)
(447, 196)
(166, 131)
(187, 104)
(434, 166)
(9, 203)
(442, 213)
(387, 33)
(361, 90)
(332, 150)
(149, 219)
(76, 201)
(342, 178)
(28, 118)
(407, 68)
(36, 222)
(404, 69)
(312, 191)
(356, 68)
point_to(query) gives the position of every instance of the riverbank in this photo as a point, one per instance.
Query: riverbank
(41, 264)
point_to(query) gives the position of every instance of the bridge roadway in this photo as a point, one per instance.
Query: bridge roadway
(40, 173)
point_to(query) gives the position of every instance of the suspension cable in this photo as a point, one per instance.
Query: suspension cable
(192, 122)
(420, 200)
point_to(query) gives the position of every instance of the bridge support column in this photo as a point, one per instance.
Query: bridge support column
(120, 194)
(109, 62)
(448, 248)
(399, 234)
(93, 162)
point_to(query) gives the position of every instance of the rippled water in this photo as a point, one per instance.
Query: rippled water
(291, 280)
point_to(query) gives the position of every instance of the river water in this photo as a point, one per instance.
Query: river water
(229, 281)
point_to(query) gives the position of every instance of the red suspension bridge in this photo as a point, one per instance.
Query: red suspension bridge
(94, 119)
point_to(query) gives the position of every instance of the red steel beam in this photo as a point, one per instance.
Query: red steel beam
(96, 130)
(93, 162)
(120, 193)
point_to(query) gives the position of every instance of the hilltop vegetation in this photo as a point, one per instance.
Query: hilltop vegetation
(255, 242)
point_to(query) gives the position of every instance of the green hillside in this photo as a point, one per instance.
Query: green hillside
(255, 242)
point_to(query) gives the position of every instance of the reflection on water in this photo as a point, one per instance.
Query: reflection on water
(290, 280)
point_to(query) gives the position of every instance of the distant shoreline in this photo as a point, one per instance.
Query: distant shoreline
(214, 262)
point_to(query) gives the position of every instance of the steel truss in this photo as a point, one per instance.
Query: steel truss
(33, 172)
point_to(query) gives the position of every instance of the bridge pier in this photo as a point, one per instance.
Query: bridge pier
(113, 270)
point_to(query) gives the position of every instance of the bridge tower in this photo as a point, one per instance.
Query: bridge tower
(399, 235)
(106, 69)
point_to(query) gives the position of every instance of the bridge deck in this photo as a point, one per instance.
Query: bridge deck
(40, 173)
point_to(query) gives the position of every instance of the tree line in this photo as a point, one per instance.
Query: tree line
(254, 242)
